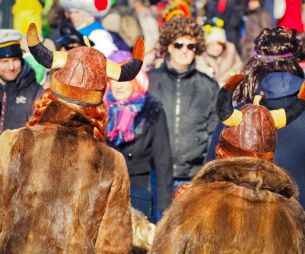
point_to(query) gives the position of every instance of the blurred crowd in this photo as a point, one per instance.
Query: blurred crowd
(163, 121)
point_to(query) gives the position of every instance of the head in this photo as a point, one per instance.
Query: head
(251, 131)
(124, 90)
(215, 37)
(275, 50)
(81, 73)
(70, 38)
(254, 4)
(10, 55)
(255, 136)
(89, 8)
(182, 39)
(79, 18)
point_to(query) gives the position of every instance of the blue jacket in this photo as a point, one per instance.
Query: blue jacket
(280, 89)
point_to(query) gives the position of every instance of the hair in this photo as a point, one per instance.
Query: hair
(270, 42)
(177, 27)
(97, 114)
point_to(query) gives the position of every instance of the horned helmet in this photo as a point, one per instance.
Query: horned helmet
(251, 131)
(80, 75)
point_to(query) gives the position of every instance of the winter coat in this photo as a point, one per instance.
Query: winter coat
(281, 89)
(189, 101)
(61, 190)
(20, 94)
(221, 67)
(256, 21)
(236, 205)
(150, 149)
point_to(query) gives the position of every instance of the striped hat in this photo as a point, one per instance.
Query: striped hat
(10, 43)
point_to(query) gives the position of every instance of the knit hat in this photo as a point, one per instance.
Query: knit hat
(82, 72)
(213, 30)
(10, 43)
(251, 131)
(97, 8)
(177, 7)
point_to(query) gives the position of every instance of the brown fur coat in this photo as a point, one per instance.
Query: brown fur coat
(61, 190)
(236, 205)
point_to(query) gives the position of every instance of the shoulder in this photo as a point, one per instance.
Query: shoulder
(8, 137)
(7, 141)
(149, 115)
(156, 71)
(207, 82)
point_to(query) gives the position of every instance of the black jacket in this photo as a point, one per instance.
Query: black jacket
(189, 101)
(20, 95)
(150, 148)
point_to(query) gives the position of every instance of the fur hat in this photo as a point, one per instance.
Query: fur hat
(97, 8)
(251, 131)
(10, 43)
(82, 72)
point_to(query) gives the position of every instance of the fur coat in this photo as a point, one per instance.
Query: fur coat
(221, 67)
(236, 205)
(61, 190)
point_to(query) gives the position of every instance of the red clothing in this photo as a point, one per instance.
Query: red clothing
(293, 16)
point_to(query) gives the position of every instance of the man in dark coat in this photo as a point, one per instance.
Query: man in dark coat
(18, 87)
(188, 96)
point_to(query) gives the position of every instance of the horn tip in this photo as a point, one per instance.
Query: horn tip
(32, 35)
(32, 28)
(301, 94)
(139, 49)
(233, 82)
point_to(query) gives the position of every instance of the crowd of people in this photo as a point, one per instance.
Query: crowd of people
(198, 127)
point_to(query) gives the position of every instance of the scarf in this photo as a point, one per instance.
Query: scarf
(122, 113)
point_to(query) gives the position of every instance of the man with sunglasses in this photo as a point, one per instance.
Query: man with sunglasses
(188, 96)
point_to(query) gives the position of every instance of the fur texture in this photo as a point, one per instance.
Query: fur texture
(237, 205)
(61, 190)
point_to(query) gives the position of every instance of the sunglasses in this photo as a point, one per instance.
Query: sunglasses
(190, 46)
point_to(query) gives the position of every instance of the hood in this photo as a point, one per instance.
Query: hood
(26, 77)
(277, 85)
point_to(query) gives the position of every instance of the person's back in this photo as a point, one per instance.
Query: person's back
(63, 189)
(241, 202)
(188, 96)
(235, 205)
(64, 186)
(289, 152)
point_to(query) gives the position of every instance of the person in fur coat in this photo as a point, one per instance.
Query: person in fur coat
(242, 202)
(220, 60)
(62, 189)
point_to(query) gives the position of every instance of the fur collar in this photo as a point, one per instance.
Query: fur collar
(249, 172)
(63, 114)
